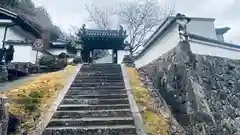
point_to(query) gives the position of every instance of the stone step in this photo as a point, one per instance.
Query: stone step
(95, 92)
(92, 130)
(75, 87)
(104, 73)
(98, 80)
(92, 73)
(72, 107)
(98, 85)
(93, 80)
(95, 104)
(94, 101)
(97, 71)
(91, 121)
(96, 113)
(99, 77)
(98, 96)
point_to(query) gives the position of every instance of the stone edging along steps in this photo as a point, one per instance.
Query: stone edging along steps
(135, 110)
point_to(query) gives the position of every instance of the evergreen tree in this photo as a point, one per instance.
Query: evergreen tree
(71, 47)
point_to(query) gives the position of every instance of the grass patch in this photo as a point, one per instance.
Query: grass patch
(32, 99)
(155, 123)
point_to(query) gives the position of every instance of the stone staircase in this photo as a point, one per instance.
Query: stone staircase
(95, 104)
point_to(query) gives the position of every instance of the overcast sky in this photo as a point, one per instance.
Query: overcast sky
(71, 13)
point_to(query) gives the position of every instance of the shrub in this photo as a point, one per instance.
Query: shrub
(71, 48)
(32, 101)
(128, 60)
(49, 63)
(77, 60)
(62, 56)
(60, 64)
(72, 64)
(47, 60)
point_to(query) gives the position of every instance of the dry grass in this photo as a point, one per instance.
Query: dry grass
(154, 122)
(47, 85)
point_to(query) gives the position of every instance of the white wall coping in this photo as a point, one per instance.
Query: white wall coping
(48, 115)
(5, 21)
(215, 45)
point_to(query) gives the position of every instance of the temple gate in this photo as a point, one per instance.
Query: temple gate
(101, 39)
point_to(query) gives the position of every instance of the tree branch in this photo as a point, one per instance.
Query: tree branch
(140, 18)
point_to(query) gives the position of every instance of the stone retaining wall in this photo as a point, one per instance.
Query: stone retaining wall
(3, 116)
(3, 74)
(202, 91)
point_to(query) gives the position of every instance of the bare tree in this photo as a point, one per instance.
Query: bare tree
(100, 16)
(139, 17)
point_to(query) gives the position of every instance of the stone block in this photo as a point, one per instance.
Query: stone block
(3, 73)
(3, 116)
(210, 86)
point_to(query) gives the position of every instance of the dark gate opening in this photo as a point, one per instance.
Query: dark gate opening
(101, 39)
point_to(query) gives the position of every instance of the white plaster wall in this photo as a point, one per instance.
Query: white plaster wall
(204, 48)
(120, 54)
(14, 33)
(203, 28)
(3, 22)
(2, 29)
(161, 46)
(22, 53)
(34, 55)
(57, 51)
(220, 38)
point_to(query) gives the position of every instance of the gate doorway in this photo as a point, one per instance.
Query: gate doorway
(101, 40)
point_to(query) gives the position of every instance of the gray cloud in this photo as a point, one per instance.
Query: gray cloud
(66, 14)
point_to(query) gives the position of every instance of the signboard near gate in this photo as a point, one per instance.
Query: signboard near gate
(38, 45)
